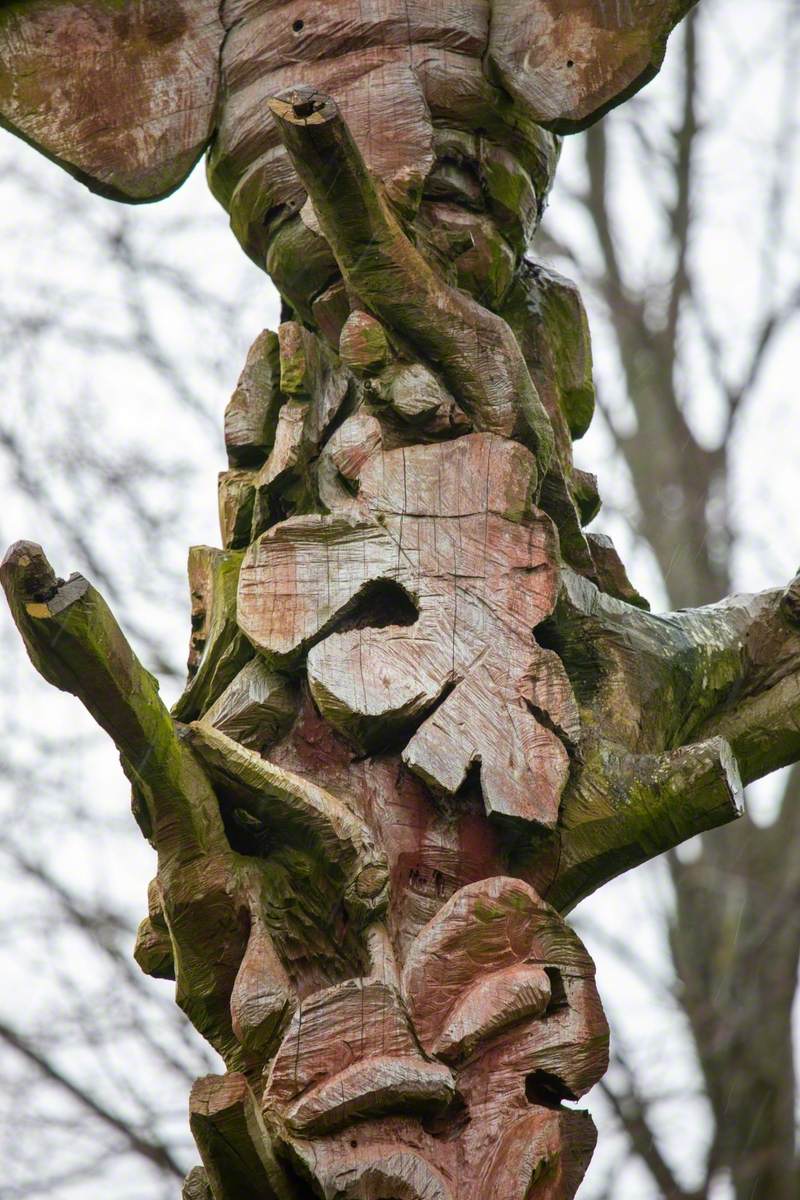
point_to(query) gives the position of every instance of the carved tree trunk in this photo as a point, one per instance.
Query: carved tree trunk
(426, 713)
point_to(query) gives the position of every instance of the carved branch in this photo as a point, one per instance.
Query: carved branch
(202, 891)
(677, 710)
(76, 644)
(624, 809)
(653, 682)
(473, 347)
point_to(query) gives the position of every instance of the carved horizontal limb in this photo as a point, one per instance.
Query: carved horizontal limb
(475, 349)
(761, 717)
(652, 682)
(677, 710)
(625, 809)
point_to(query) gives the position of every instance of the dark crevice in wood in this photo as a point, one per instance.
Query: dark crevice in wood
(451, 1123)
(558, 994)
(394, 739)
(546, 1090)
(580, 658)
(545, 720)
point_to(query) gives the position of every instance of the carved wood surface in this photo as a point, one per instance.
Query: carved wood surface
(425, 712)
(451, 525)
(127, 94)
(123, 95)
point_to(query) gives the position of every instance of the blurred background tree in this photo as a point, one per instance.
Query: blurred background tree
(121, 335)
(679, 217)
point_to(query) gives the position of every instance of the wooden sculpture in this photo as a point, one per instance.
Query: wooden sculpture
(426, 713)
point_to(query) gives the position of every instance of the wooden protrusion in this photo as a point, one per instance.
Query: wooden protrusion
(252, 413)
(234, 1144)
(363, 346)
(317, 387)
(542, 1156)
(218, 650)
(153, 950)
(262, 1000)
(236, 493)
(256, 707)
(75, 643)
(331, 311)
(417, 398)
(297, 811)
(475, 350)
(196, 1186)
(295, 344)
(610, 573)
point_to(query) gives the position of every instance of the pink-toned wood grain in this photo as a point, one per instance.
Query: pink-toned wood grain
(121, 94)
(452, 526)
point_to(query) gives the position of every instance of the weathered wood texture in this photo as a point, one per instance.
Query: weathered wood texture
(127, 93)
(426, 712)
(123, 93)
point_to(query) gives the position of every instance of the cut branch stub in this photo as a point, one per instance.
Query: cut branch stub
(452, 527)
(381, 97)
(76, 644)
(475, 350)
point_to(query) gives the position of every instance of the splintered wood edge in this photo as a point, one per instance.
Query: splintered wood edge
(303, 105)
